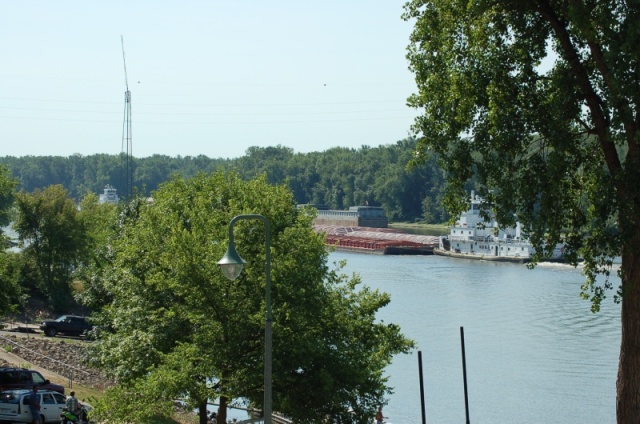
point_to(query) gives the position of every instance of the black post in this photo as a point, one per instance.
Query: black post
(464, 376)
(424, 420)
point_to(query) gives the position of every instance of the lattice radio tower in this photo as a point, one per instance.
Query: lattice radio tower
(126, 133)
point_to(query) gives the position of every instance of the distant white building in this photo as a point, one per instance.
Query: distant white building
(109, 195)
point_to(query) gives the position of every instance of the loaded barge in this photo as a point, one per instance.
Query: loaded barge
(377, 240)
(365, 229)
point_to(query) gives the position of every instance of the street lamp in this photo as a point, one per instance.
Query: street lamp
(231, 265)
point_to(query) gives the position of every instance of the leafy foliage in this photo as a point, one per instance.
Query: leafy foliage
(7, 192)
(492, 112)
(10, 290)
(53, 238)
(176, 326)
(554, 146)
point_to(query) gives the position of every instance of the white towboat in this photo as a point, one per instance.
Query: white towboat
(472, 237)
(109, 195)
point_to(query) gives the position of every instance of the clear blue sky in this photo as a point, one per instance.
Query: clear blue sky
(206, 77)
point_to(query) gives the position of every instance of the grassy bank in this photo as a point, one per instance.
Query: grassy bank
(421, 228)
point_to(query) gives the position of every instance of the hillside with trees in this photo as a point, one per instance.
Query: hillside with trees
(337, 177)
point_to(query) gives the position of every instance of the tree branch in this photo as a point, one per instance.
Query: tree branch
(591, 97)
(618, 100)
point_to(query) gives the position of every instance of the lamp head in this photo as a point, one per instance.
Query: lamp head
(231, 263)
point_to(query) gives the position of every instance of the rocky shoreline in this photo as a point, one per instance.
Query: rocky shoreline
(64, 358)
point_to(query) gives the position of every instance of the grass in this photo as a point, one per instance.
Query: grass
(89, 394)
(421, 227)
(86, 394)
(442, 226)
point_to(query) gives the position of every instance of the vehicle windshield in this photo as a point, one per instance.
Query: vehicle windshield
(62, 318)
(37, 378)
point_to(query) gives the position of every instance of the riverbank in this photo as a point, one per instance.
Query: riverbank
(60, 361)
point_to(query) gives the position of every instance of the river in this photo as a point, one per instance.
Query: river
(534, 351)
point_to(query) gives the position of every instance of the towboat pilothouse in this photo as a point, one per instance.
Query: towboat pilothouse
(109, 195)
(474, 238)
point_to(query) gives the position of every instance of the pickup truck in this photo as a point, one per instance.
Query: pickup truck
(71, 325)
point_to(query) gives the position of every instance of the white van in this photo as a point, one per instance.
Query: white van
(14, 406)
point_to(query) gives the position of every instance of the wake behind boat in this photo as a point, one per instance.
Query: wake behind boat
(472, 237)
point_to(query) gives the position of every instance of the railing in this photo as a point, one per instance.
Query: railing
(330, 213)
(256, 416)
(275, 418)
(488, 239)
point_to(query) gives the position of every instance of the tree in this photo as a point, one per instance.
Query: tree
(7, 193)
(9, 288)
(10, 291)
(53, 237)
(555, 148)
(97, 219)
(178, 327)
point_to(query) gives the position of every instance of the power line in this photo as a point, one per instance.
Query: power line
(209, 104)
(164, 122)
(331, 112)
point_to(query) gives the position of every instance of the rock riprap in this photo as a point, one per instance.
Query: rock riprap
(64, 358)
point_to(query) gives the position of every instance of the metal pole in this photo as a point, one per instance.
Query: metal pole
(268, 349)
(464, 376)
(424, 419)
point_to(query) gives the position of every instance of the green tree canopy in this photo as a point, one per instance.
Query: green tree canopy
(98, 220)
(7, 193)
(53, 238)
(553, 144)
(338, 177)
(9, 288)
(178, 327)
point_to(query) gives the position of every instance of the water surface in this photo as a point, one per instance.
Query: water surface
(535, 353)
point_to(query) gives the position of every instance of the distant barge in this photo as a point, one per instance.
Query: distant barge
(383, 241)
(365, 229)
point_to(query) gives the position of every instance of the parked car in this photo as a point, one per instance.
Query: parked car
(22, 378)
(71, 325)
(14, 406)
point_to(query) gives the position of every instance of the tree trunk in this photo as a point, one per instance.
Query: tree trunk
(222, 410)
(628, 384)
(202, 412)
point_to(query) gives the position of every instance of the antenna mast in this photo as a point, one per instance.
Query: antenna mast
(126, 132)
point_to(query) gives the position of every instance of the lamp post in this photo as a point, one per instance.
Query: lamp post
(231, 265)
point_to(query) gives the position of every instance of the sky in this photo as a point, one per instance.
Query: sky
(206, 78)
